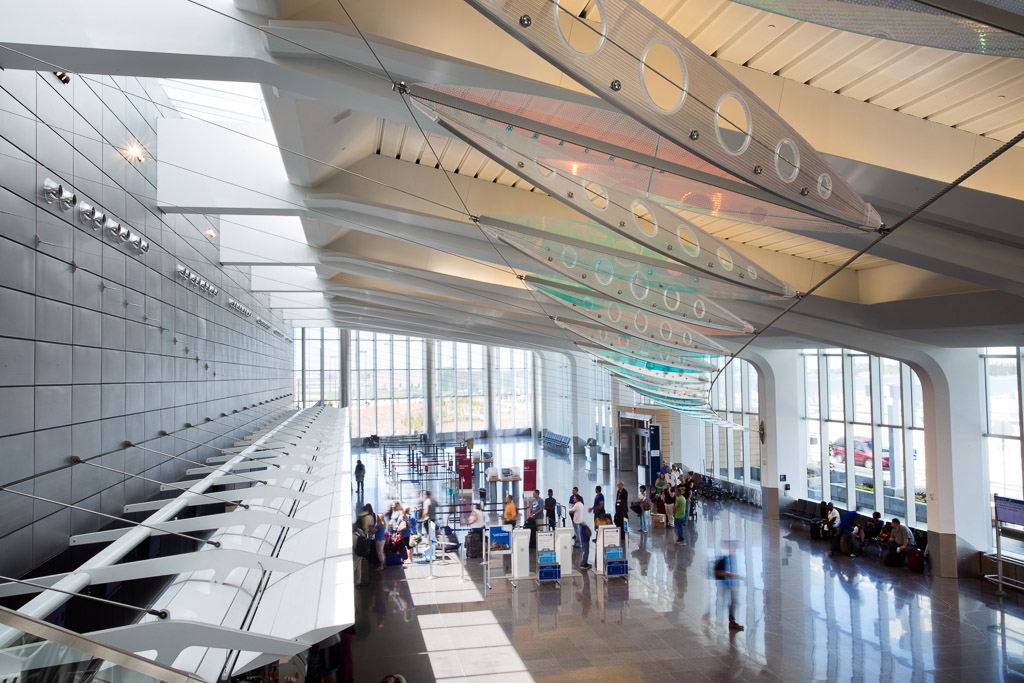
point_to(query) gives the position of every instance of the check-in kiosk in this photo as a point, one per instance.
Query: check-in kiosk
(611, 555)
(548, 568)
(563, 548)
(520, 553)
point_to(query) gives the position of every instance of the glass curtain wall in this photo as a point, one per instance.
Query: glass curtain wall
(513, 369)
(865, 434)
(317, 366)
(734, 453)
(460, 404)
(1002, 367)
(386, 384)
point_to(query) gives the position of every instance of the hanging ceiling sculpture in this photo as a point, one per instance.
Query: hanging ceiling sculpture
(630, 58)
(685, 140)
(613, 148)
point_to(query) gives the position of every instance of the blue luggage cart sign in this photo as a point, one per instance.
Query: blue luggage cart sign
(549, 572)
(613, 553)
(616, 568)
(547, 557)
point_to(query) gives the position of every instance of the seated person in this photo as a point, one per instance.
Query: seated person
(829, 521)
(901, 540)
(872, 529)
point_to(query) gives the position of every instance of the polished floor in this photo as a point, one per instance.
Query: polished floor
(808, 616)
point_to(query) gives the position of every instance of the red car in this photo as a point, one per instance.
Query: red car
(861, 453)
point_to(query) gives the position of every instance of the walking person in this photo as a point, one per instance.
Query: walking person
(585, 544)
(727, 580)
(576, 514)
(598, 507)
(550, 504)
(621, 506)
(360, 473)
(378, 541)
(645, 509)
(679, 513)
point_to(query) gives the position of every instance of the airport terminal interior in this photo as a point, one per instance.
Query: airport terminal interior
(302, 300)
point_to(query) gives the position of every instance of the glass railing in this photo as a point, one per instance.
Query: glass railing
(34, 651)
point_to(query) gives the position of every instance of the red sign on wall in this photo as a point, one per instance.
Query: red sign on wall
(529, 475)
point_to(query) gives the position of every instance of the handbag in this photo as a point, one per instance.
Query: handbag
(635, 507)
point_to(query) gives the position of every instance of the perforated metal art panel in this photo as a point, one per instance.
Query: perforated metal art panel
(640, 291)
(638, 347)
(627, 56)
(644, 221)
(613, 148)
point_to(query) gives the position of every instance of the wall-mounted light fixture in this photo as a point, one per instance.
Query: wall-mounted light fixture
(191, 278)
(262, 323)
(55, 192)
(211, 233)
(240, 308)
(62, 77)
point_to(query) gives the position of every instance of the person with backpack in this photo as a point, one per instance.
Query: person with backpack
(727, 580)
(585, 540)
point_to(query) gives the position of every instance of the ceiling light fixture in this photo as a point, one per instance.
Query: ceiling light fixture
(211, 233)
(62, 77)
(55, 192)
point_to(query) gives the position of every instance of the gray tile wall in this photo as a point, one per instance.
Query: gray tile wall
(99, 345)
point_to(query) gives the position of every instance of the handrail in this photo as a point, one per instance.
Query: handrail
(97, 650)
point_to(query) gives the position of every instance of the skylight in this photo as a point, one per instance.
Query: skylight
(216, 100)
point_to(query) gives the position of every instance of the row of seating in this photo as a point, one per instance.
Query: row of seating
(556, 442)
(809, 512)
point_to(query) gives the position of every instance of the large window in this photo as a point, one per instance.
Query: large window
(1003, 419)
(461, 399)
(513, 371)
(734, 452)
(865, 433)
(386, 384)
(317, 366)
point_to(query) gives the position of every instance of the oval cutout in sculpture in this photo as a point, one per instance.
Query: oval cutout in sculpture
(664, 76)
(644, 220)
(582, 35)
(732, 123)
(787, 160)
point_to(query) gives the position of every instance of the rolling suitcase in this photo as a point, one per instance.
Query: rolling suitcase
(915, 560)
(815, 531)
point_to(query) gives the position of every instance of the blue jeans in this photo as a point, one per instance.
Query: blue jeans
(576, 531)
(643, 520)
(586, 554)
(679, 529)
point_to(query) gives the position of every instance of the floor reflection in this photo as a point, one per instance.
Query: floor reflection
(808, 616)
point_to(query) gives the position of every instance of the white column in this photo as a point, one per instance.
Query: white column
(784, 452)
(955, 465)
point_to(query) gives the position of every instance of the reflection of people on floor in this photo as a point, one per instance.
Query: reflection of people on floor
(642, 555)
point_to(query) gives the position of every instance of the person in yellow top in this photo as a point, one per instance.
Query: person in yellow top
(511, 512)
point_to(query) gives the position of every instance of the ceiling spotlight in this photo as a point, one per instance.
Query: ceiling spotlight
(136, 153)
(98, 220)
(211, 233)
(123, 234)
(143, 246)
(133, 242)
(52, 190)
(62, 77)
(112, 227)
